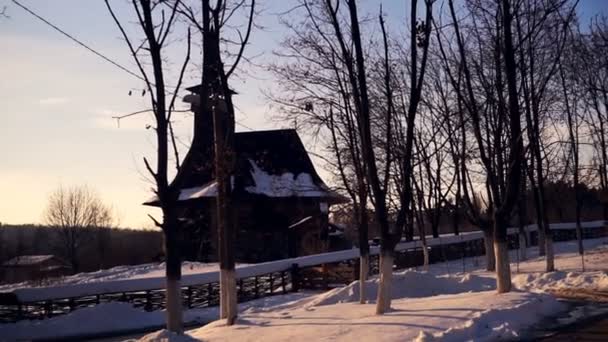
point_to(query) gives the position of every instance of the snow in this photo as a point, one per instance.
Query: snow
(28, 260)
(138, 279)
(415, 284)
(209, 190)
(466, 316)
(100, 319)
(283, 185)
(166, 336)
(427, 306)
(114, 279)
(108, 318)
(304, 220)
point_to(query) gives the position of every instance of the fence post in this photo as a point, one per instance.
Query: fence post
(295, 278)
(48, 307)
(209, 292)
(271, 280)
(189, 298)
(283, 282)
(148, 305)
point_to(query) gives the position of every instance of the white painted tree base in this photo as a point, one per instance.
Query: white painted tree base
(232, 297)
(523, 255)
(363, 270)
(228, 296)
(425, 254)
(383, 302)
(503, 267)
(550, 254)
(174, 306)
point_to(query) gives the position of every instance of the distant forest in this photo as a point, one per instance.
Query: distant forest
(100, 248)
(105, 248)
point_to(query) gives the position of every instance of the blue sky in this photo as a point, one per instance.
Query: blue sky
(58, 98)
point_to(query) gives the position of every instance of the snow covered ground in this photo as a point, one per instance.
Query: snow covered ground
(442, 304)
(152, 270)
(430, 305)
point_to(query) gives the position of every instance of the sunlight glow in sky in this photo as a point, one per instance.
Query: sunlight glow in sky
(58, 99)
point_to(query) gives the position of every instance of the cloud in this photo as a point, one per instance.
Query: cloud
(50, 101)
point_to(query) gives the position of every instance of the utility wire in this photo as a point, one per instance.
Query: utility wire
(99, 54)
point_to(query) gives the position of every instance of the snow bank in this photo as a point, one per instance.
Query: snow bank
(103, 318)
(506, 319)
(409, 284)
(560, 280)
(165, 336)
(137, 278)
(479, 316)
(119, 317)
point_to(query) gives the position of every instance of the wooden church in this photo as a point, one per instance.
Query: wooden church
(281, 204)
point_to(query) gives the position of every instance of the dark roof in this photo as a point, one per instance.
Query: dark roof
(275, 151)
(197, 90)
(271, 163)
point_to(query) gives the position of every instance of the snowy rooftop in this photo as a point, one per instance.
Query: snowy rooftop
(270, 163)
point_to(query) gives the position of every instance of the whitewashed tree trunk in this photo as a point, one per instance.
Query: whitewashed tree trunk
(488, 239)
(383, 301)
(173, 274)
(231, 300)
(223, 295)
(503, 267)
(425, 254)
(363, 270)
(174, 306)
(550, 255)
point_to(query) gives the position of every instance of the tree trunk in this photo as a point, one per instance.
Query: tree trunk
(550, 257)
(173, 272)
(523, 255)
(363, 244)
(363, 271)
(383, 301)
(425, 253)
(503, 267)
(488, 238)
(223, 170)
(541, 241)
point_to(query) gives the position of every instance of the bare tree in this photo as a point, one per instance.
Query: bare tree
(149, 56)
(76, 212)
(487, 88)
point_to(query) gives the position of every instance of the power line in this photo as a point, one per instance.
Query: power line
(74, 39)
(97, 53)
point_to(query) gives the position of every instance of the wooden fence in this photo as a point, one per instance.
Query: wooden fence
(319, 271)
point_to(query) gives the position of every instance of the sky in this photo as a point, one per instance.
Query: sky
(58, 100)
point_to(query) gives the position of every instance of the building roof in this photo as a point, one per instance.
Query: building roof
(28, 260)
(271, 163)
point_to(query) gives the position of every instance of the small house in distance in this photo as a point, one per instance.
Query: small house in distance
(33, 267)
(281, 205)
